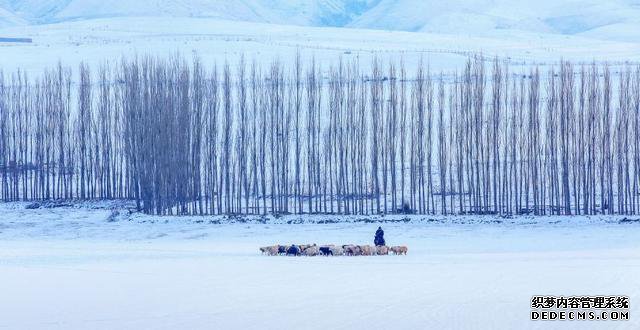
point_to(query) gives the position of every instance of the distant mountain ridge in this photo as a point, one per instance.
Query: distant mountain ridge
(293, 12)
(595, 18)
(478, 16)
(8, 18)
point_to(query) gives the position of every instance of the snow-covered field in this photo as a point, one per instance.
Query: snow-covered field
(98, 41)
(87, 267)
(98, 266)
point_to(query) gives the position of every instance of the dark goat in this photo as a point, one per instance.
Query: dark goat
(293, 251)
(326, 251)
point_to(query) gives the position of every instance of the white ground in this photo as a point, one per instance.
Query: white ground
(215, 41)
(72, 269)
(67, 268)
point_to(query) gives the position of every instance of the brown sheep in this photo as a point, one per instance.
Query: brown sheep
(366, 250)
(269, 250)
(382, 250)
(311, 251)
(273, 250)
(399, 250)
(346, 249)
(351, 250)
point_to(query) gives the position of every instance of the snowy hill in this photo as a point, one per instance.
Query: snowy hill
(8, 18)
(97, 40)
(492, 16)
(617, 19)
(528, 31)
(296, 12)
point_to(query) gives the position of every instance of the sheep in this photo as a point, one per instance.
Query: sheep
(326, 250)
(336, 250)
(269, 250)
(332, 250)
(273, 250)
(351, 250)
(311, 251)
(382, 250)
(367, 250)
(293, 251)
(399, 250)
(305, 246)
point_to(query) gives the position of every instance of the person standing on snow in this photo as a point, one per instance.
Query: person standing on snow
(379, 239)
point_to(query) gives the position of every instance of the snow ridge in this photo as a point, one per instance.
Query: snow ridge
(605, 19)
(534, 20)
(296, 12)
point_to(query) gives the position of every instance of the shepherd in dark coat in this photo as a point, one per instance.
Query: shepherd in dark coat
(379, 239)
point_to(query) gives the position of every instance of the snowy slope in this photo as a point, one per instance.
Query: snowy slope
(8, 18)
(611, 19)
(540, 31)
(297, 12)
(602, 20)
(33, 10)
(98, 40)
(488, 16)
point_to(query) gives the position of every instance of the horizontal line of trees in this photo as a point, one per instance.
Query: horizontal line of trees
(179, 138)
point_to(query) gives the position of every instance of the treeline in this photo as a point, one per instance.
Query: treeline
(179, 138)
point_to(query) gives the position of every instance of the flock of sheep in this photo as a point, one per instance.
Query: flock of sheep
(313, 250)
